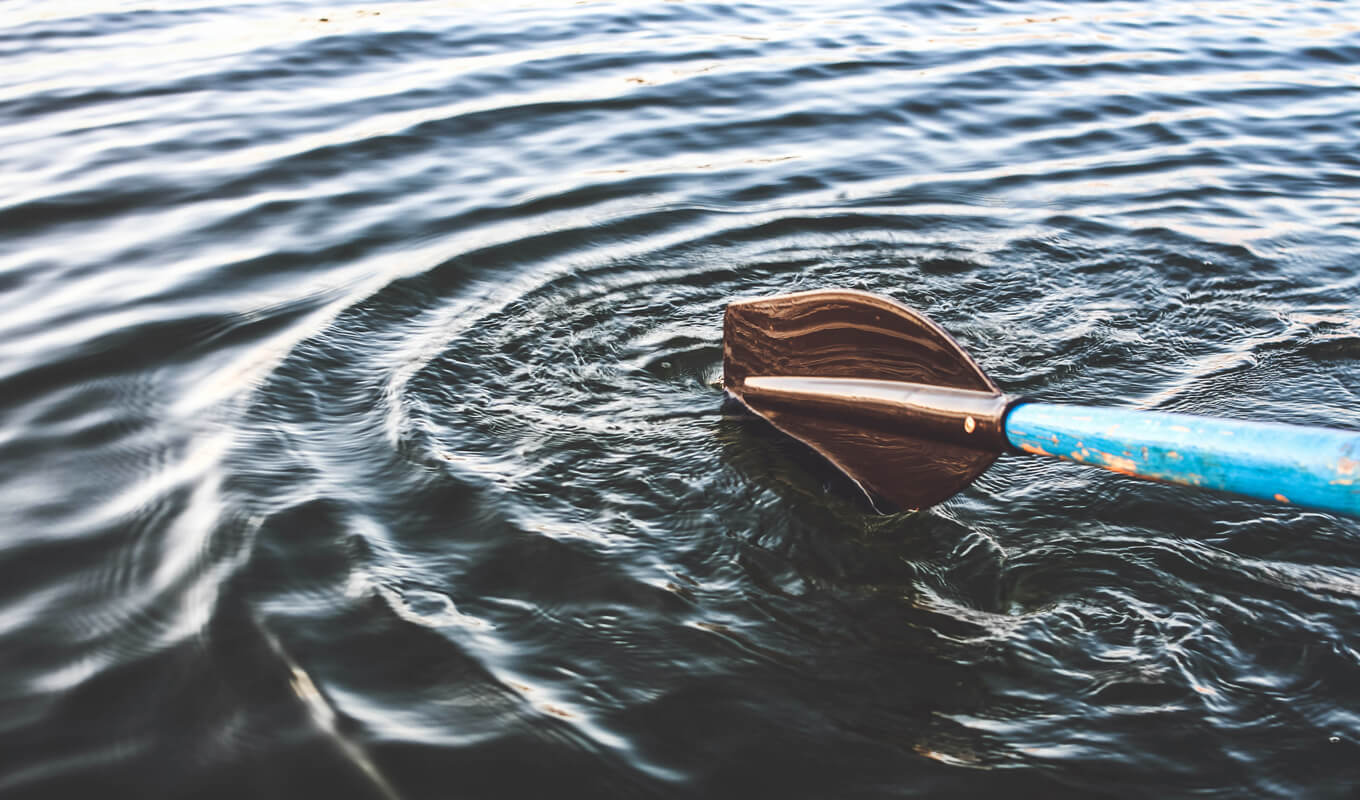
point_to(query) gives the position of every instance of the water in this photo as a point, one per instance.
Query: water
(360, 438)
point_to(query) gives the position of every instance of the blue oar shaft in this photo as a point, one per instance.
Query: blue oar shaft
(1310, 467)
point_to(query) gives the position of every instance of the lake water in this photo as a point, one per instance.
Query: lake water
(359, 434)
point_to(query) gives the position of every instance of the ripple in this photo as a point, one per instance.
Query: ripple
(362, 432)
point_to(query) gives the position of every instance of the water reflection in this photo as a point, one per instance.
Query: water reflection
(359, 433)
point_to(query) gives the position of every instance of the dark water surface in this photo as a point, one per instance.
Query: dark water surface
(359, 436)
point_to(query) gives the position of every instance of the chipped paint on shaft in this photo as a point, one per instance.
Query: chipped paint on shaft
(1119, 464)
(1345, 469)
(1309, 467)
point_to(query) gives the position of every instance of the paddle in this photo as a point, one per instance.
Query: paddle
(896, 404)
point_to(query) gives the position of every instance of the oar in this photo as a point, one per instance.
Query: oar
(892, 400)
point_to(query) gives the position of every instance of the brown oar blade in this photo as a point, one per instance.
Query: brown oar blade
(850, 334)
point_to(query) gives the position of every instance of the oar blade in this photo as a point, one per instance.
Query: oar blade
(850, 334)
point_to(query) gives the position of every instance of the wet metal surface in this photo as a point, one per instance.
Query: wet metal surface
(911, 447)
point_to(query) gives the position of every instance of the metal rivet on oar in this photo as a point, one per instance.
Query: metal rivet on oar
(888, 397)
